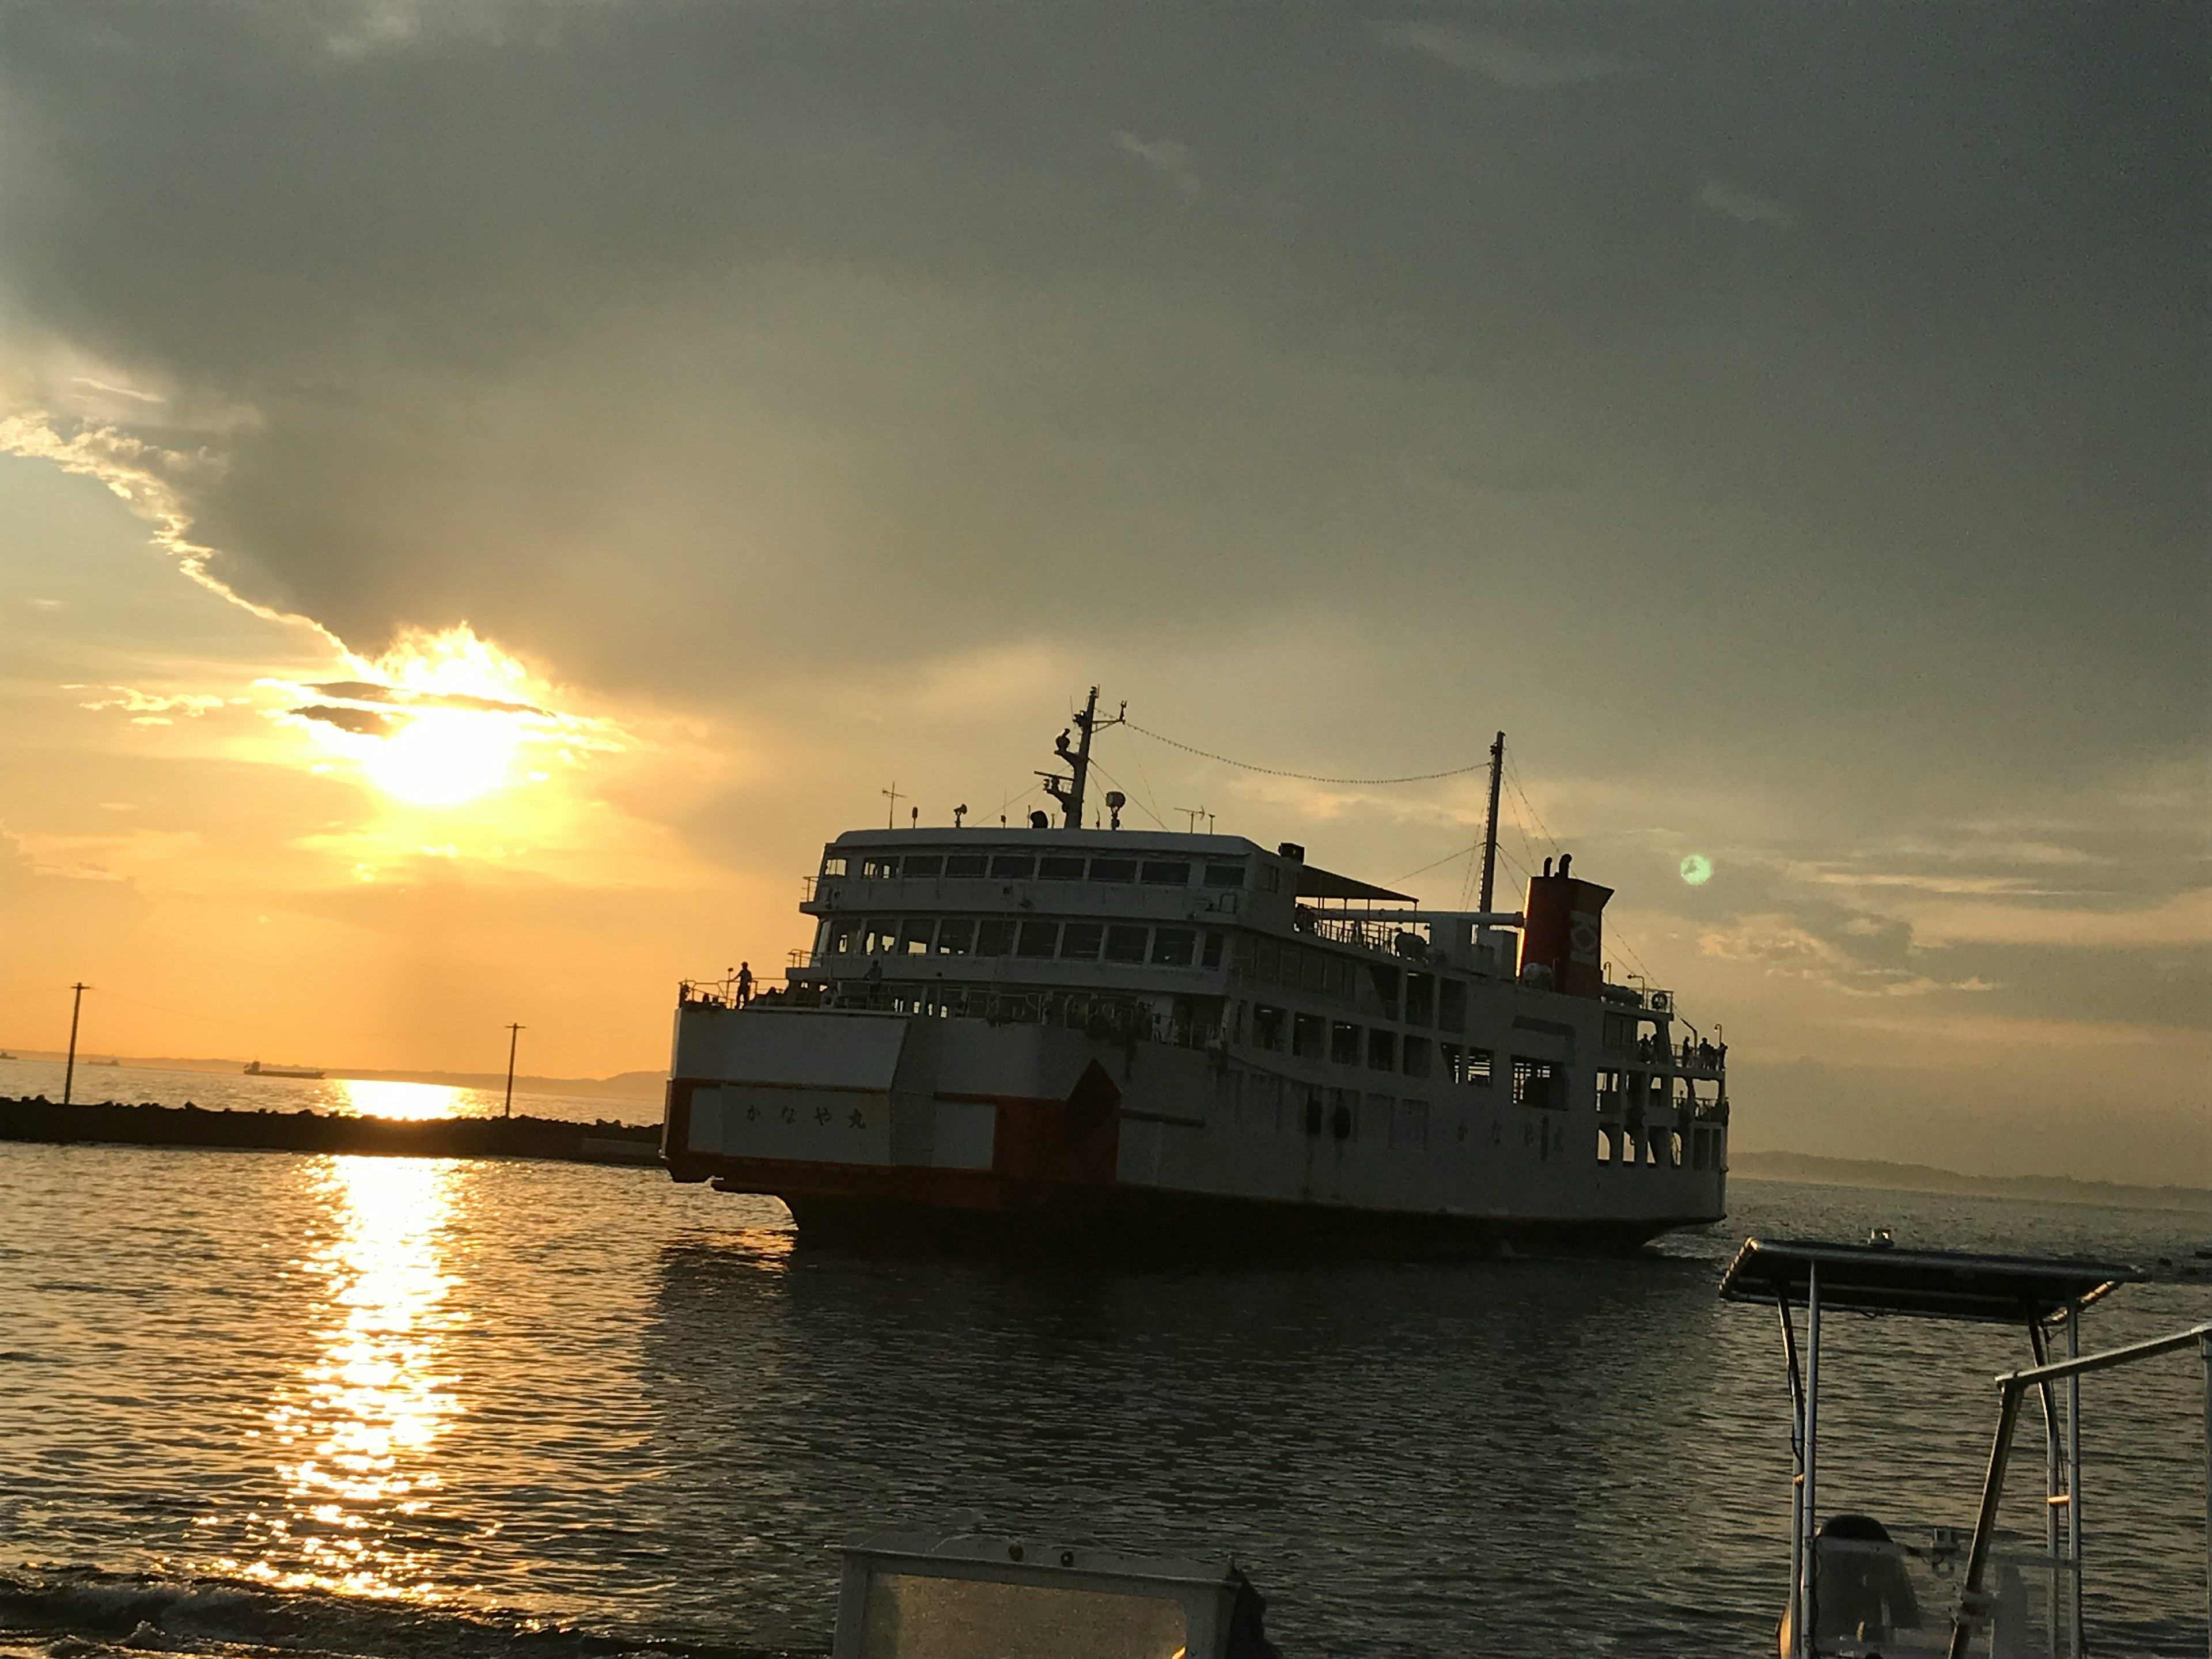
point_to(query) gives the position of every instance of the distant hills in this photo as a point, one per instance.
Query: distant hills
(1925, 1178)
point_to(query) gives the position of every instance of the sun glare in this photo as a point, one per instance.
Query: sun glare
(445, 757)
(442, 719)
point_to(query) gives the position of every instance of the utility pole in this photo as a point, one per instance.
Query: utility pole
(1068, 791)
(513, 1035)
(1489, 825)
(68, 1073)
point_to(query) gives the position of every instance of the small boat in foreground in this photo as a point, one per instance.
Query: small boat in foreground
(257, 1069)
(1863, 1588)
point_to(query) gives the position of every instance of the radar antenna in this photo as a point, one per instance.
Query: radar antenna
(1068, 791)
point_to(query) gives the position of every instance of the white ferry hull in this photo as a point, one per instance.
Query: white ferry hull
(919, 1129)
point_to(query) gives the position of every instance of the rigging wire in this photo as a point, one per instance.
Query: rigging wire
(1513, 776)
(1116, 782)
(1302, 777)
(1152, 809)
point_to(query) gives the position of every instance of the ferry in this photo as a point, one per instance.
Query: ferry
(1059, 1033)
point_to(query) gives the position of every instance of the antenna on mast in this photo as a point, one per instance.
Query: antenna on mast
(1068, 791)
(1489, 824)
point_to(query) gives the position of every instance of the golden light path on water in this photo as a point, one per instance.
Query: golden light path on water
(356, 1430)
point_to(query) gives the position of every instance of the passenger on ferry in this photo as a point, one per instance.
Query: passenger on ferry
(745, 983)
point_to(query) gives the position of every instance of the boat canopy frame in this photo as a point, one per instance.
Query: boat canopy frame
(2038, 1292)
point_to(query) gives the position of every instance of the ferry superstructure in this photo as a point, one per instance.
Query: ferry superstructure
(1160, 1038)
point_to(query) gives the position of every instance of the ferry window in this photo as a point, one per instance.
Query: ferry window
(1018, 866)
(833, 864)
(1344, 1043)
(924, 863)
(1167, 872)
(1125, 943)
(1213, 954)
(1172, 946)
(1271, 878)
(994, 939)
(1470, 1066)
(1225, 875)
(1617, 1030)
(1268, 960)
(914, 938)
(1381, 1050)
(1082, 939)
(965, 864)
(1267, 1025)
(879, 869)
(1385, 989)
(1038, 938)
(955, 938)
(843, 936)
(1309, 1032)
(1113, 869)
(1420, 1000)
(1245, 946)
(1313, 969)
(882, 935)
(1533, 1083)
(1451, 1005)
(1060, 868)
(1416, 1056)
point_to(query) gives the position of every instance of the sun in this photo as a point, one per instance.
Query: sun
(441, 719)
(444, 756)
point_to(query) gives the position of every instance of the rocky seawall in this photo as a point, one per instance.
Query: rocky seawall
(146, 1124)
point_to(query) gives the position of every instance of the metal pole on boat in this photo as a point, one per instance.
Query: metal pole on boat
(1809, 1528)
(69, 1072)
(2205, 1344)
(2052, 1457)
(513, 1035)
(1489, 825)
(1797, 1458)
(2074, 1472)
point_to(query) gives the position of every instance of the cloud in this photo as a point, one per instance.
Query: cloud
(148, 706)
(1744, 206)
(1168, 157)
(2184, 919)
(1507, 63)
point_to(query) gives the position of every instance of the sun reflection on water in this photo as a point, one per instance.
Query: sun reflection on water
(356, 1430)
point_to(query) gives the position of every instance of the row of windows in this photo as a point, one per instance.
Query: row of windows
(1078, 941)
(1310, 1037)
(1027, 866)
(1428, 999)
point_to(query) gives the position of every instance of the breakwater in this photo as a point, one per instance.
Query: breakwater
(120, 1123)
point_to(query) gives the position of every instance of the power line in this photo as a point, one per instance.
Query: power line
(1302, 777)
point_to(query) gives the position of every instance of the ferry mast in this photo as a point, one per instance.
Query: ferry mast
(1068, 791)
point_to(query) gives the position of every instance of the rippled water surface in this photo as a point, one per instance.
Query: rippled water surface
(589, 1396)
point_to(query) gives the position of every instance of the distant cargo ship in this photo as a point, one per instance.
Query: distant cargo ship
(1152, 1037)
(257, 1069)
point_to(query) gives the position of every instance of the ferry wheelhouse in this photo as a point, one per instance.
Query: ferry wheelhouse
(1193, 1039)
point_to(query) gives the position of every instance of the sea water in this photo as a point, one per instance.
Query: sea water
(395, 1405)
